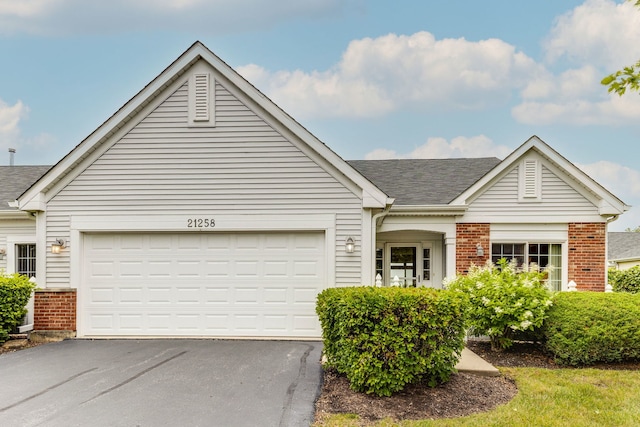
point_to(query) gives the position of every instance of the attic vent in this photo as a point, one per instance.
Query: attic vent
(530, 180)
(201, 99)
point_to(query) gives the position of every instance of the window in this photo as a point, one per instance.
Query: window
(26, 259)
(380, 263)
(426, 264)
(542, 254)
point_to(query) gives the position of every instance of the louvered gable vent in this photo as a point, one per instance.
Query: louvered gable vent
(530, 178)
(201, 101)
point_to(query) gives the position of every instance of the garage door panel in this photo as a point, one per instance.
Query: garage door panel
(202, 284)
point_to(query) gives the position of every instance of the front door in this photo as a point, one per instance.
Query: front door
(410, 263)
(403, 266)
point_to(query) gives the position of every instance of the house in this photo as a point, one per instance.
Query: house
(623, 249)
(200, 208)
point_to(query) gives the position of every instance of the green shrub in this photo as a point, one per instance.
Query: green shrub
(504, 301)
(625, 280)
(15, 291)
(591, 327)
(385, 338)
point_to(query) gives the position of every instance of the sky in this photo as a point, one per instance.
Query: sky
(372, 79)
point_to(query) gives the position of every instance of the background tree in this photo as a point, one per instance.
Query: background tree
(627, 78)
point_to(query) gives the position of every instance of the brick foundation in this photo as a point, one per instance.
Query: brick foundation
(587, 256)
(55, 309)
(467, 238)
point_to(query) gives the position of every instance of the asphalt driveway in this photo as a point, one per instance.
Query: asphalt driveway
(161, 383)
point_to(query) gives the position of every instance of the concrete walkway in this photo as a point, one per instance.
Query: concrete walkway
(471, 363)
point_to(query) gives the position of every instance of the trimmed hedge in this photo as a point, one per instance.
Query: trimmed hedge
(584, 328)
(625, 280)
(385, 338)
(15, 291)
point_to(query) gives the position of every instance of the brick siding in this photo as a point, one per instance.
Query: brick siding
(587, 255)
(467, 238)
(55, 310)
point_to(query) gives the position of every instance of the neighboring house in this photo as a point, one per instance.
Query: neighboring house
(624, 249)
(200, 208)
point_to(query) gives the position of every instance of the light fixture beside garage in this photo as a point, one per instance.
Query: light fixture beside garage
(350, 245)
(57, 246)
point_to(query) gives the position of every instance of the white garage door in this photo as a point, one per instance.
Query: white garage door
(202, 284)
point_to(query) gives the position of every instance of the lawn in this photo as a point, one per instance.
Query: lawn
(547, 397)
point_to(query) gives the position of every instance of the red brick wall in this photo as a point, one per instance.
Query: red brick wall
(467, 238)
(55, 310)
(587, 255)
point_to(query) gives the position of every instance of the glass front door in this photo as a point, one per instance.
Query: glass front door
(403, 265)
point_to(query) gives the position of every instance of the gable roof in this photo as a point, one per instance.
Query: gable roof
(623, 245)
(15, 180)
(608, 204)
(420, 182)
(31, 199)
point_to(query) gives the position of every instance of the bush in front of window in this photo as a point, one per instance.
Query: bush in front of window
(504, 300)
(584, 328)
(385, 338)
(625, 280)
(15, 291)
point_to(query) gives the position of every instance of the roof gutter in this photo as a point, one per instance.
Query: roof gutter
(429, 210)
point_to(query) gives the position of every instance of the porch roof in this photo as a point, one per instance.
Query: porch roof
(15, 180)
(424, 181)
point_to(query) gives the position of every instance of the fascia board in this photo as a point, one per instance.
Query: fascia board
(14, 215)
(429, 210)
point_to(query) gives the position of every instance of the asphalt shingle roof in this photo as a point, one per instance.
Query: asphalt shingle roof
(623, 245)
(14, 180)
(424, 181)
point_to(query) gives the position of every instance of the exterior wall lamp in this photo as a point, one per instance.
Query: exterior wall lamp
(57, 246)
(3, 251)
(479, 250)
(350, 245)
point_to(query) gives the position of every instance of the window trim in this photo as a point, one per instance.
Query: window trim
(564, 256)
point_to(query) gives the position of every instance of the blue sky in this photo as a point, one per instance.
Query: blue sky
(372, 79)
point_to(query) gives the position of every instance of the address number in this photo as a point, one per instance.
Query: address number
(201, 223)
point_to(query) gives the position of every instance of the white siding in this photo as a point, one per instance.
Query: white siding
(559, 202)
(240, 166)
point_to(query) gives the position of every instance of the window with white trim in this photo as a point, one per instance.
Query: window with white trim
(545, 255)
(25, 257)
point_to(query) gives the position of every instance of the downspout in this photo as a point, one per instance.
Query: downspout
(374, 229)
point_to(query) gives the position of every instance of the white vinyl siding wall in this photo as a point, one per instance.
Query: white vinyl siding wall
(240, 166)
(559, 201)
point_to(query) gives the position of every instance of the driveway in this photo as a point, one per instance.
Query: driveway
(161, 383)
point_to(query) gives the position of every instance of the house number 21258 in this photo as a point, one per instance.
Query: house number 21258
(201, 223)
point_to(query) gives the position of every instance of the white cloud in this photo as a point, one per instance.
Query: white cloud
(376, 76)
(440, 148)
(80, 17)
(11, 135)
(10, 117)
(600, 32)
(598, 36)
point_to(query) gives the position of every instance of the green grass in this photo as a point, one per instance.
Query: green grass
(548, 398)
